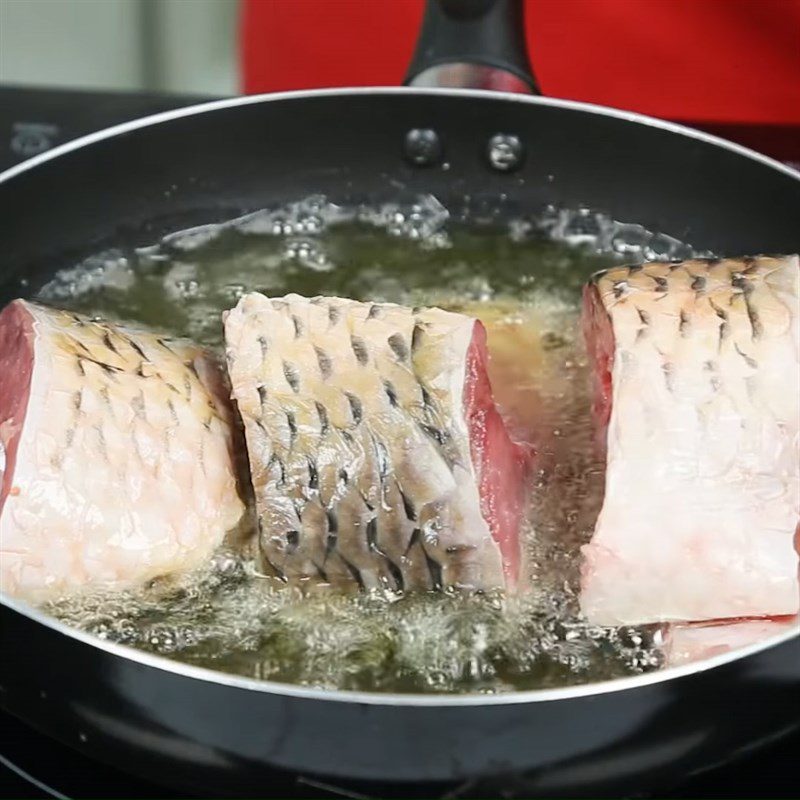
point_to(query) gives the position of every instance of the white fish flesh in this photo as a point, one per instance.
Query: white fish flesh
(117, 455)
(697, 397)
(377, 455)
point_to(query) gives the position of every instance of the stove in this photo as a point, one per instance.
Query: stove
(34, 766)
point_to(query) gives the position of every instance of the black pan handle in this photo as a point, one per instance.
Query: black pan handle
(475, 44)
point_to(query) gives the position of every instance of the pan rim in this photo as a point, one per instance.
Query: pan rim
(584, 690)
(384, 698)
(256, 99)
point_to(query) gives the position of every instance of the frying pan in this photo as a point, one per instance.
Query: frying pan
(214, 733)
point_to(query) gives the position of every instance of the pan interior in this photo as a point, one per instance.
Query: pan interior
(522, 276)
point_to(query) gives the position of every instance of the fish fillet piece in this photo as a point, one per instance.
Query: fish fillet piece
(377, 455)
(685, 644)
(116, 453)
(697, 400)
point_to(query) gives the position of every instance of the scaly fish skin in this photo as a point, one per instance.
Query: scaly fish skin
(358, 443)
(119, 468)
(702, 502)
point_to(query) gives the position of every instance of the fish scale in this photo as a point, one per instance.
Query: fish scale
(380, 490)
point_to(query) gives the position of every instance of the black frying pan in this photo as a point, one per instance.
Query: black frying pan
(220, 734)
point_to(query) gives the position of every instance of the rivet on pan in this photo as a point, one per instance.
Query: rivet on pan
(505, 152)
(423, 147)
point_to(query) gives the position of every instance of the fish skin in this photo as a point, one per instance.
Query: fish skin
(379, 491)
(124, 471)
(702, 498)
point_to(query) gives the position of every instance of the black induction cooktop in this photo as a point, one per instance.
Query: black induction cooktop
(35, 766)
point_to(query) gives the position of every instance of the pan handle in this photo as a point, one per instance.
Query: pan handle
(473, 44)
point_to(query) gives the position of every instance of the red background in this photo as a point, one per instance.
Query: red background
(714, 61)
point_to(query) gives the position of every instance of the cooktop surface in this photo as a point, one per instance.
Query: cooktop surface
(34, 766)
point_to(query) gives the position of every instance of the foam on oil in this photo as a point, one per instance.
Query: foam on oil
(523, 281)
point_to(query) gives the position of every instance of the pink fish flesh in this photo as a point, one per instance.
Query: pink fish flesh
(685, 644)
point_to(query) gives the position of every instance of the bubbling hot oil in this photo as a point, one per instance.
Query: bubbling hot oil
(523, 281)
